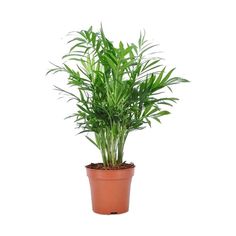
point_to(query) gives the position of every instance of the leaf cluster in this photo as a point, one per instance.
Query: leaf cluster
(119, 88)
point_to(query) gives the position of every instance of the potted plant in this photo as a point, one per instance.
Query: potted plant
(117, 89)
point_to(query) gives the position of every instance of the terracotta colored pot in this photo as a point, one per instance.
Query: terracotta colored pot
(110, 190)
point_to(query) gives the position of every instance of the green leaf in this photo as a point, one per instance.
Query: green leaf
(93, 142)
(147, 109)
(82, 108)
(152, 111)
(162, 113)
(148, 48)
(177, 80)
(110, 62)
(164, 80)
(156, 118)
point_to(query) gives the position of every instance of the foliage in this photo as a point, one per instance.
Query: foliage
(120, 89)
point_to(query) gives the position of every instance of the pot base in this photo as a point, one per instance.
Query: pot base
(110, 213)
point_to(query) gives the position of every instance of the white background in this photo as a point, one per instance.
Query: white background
(185, 178)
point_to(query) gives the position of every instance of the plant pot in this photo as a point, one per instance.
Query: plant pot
(110, 190)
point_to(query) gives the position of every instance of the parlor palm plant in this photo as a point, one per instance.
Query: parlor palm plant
(118, 89)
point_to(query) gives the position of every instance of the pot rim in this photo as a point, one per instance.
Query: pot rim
(89, 168)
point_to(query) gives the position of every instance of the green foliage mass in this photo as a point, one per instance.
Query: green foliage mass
(119, 89)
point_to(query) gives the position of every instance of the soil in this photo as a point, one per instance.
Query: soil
(100, 166)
